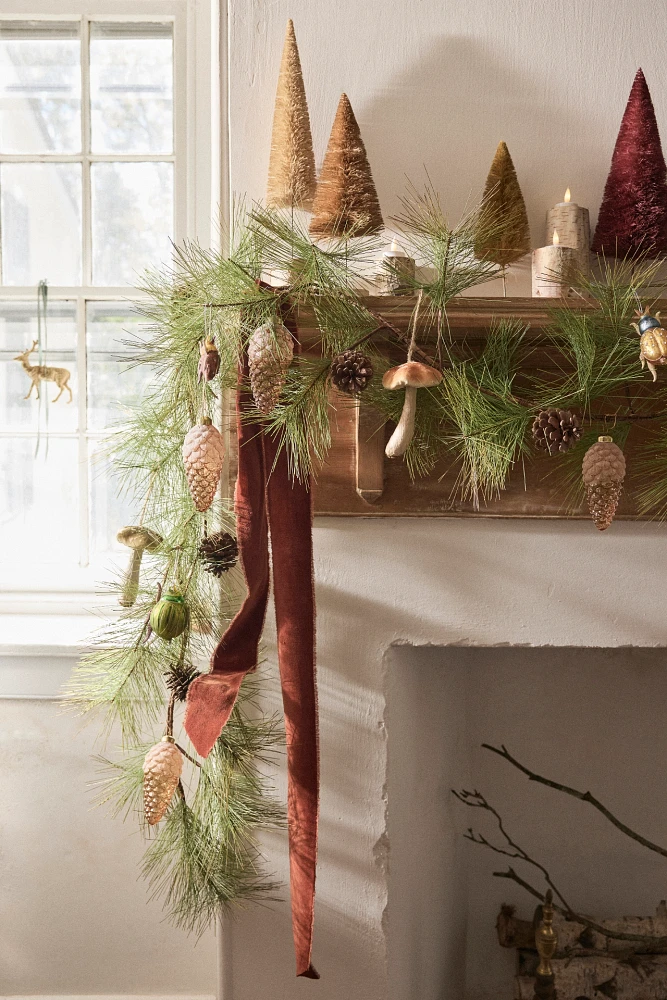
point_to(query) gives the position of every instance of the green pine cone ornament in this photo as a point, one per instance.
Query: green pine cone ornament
(169, 617)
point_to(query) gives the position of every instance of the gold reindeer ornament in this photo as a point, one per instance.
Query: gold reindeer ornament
(44, 373)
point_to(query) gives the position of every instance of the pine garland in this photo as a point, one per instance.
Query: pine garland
(479, 419)
(476, 419)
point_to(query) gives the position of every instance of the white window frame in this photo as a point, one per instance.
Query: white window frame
(198, 196)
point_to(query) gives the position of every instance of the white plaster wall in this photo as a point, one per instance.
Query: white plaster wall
(438, 85)
(75, 917)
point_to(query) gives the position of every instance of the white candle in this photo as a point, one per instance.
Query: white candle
(572, 224)
(400, 266)
(553, 267)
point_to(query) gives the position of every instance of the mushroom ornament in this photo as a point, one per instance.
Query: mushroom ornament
(652, 341)
(139, 540)
(410, 376)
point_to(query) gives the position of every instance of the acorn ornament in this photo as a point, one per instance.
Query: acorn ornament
(652, 341)
(169, 617)
(270, 353)
(203, 455)
(209, 360)
(163, 766)
(603, 472)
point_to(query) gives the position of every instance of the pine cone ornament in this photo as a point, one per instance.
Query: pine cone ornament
(351, 372)
(270, 352)
(219, 553)
(603, 472)
(178, 679)
(556, 430)
(162, 770)
(203, 455)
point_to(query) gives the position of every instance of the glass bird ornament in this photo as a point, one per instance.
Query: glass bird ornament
(652, 341)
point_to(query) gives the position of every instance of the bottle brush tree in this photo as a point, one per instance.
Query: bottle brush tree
(507, 238)
(292, 177)
(633, 214)
(346, 202)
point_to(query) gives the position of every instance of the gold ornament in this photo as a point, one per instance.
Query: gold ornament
(603, 471)
(44, 373)
(270, 352)
(163, 765)
(203, 455)
(652, 341)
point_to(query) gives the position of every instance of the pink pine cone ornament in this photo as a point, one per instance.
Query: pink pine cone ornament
(603, 471)
(163, 765)
(203, 455)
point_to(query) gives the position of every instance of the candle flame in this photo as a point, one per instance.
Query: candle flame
(555, 239)
(567, 196)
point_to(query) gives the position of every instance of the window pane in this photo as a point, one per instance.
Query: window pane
(39, 503)
(114, 383)
(109, 511)
(131, 90)
(18, 330)
(40, 87)
(132, 220)
(40, 207)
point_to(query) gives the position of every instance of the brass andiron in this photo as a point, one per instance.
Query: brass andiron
(546, 941)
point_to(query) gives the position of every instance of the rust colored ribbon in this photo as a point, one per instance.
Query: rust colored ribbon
(268, 500)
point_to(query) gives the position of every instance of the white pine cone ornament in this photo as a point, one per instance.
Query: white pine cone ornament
(163, 765)
(603, 472)
(203, 455)
(270, 352)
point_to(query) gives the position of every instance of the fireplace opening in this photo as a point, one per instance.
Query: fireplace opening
(590, 718)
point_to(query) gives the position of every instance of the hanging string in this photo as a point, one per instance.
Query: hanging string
(208, 324)
(42, 305)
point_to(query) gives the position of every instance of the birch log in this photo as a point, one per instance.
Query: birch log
(572, 224)
(645, 978)
(575, 939)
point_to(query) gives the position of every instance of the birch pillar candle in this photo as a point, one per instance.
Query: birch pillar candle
(399, 266)
(573, 226)
(553, 267)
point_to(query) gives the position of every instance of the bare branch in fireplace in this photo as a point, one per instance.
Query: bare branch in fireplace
(583, 796)
(511, 849)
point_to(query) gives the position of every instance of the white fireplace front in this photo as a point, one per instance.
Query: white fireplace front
(590, 718)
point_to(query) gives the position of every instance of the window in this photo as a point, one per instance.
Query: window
(94, 187)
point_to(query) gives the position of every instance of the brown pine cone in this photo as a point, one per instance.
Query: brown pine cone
(219, 552)
(556, 430)
(351, 372)
(178, 679)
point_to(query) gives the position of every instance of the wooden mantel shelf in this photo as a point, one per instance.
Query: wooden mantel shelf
(466, 316)
(357, 480)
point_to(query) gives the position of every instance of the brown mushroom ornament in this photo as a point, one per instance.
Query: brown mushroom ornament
(410, 376)
(139, 540)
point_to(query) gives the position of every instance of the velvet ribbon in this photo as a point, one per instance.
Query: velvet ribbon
(268, 500)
